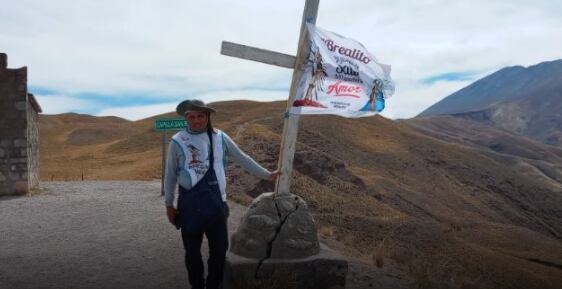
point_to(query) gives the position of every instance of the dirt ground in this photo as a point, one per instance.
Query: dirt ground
(110, 234)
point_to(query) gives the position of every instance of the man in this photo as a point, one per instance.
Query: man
(196, 161)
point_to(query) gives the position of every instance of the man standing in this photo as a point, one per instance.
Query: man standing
(196, 161)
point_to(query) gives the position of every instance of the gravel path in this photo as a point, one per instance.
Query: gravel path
(107, 234)
(92, 235)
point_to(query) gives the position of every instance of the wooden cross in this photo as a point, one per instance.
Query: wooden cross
(290, 127)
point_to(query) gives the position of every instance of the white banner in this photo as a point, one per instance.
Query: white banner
(341, 78)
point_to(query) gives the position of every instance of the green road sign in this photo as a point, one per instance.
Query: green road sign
(170, 124)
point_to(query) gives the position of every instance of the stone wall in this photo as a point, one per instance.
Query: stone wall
(33, 110)
(18, 123)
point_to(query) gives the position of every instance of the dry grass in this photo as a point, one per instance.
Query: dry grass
(378, 255)
(326, 231)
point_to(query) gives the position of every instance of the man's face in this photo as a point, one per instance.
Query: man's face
(197, 120)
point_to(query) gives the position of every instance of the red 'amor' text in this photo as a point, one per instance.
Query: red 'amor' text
(339, 89)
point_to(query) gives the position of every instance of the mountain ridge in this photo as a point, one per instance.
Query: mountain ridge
(526, 101)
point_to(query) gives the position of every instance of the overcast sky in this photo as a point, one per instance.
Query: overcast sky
(136, 59)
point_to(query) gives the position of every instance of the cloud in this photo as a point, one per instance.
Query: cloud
(170, 52)
(419, 98)
(55, 104)
(134, 106)
(245, 94)
(449, 76)
(139, 112)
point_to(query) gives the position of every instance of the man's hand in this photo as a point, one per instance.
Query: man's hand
(171, 213)
(274, 175)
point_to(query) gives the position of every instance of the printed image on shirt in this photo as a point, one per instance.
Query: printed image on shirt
(200, 167)
(195, 152)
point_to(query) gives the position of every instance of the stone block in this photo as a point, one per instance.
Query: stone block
(23, 152)
(325, 270)
(20, 105)
(18, 161)
(2, 153)
(257, 228)
(297, 236)
(14, 129)
(20, 142)
(276, 228)
(14, 176)
(4, 143)
(15, 152)
(21, 188)
(2, 177)
(3, 61)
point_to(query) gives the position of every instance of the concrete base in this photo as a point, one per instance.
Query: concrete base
(326, 270)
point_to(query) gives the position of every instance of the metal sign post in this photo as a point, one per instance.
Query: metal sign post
(164, 139)
(165, 125)
(290, 126)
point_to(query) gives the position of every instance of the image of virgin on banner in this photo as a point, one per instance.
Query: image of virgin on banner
(341, 78)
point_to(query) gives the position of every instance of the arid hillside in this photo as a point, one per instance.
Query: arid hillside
(447, 213)
(525, 155)
(522, 100)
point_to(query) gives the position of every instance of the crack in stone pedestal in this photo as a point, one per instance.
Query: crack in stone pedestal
(277, 231)
(277, 245)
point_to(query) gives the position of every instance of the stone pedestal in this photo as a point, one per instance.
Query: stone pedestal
(321, 271)
(276, 246)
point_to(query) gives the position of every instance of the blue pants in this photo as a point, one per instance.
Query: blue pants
(202, 212)
(217, 235)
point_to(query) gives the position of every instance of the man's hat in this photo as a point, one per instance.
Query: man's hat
(192, 105)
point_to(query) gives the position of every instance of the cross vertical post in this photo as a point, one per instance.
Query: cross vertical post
(290, 126)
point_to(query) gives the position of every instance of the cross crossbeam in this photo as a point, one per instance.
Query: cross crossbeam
(257, 54)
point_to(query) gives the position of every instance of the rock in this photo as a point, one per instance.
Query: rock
(280, 228)
(297, 237)
(276, 246)
(257, 228)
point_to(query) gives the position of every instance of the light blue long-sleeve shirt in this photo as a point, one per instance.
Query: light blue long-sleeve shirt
(175, 160)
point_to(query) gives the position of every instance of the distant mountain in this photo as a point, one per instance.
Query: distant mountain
(526, 101)
(447, 210)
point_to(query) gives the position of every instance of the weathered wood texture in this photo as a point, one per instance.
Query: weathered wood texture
(290, 127)
(257, 54)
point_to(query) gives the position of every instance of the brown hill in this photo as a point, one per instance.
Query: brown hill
(447, 214)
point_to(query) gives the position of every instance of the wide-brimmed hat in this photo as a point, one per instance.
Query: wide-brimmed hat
(192, 105)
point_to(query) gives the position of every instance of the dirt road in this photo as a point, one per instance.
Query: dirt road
(91, 235)
(110, 234)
